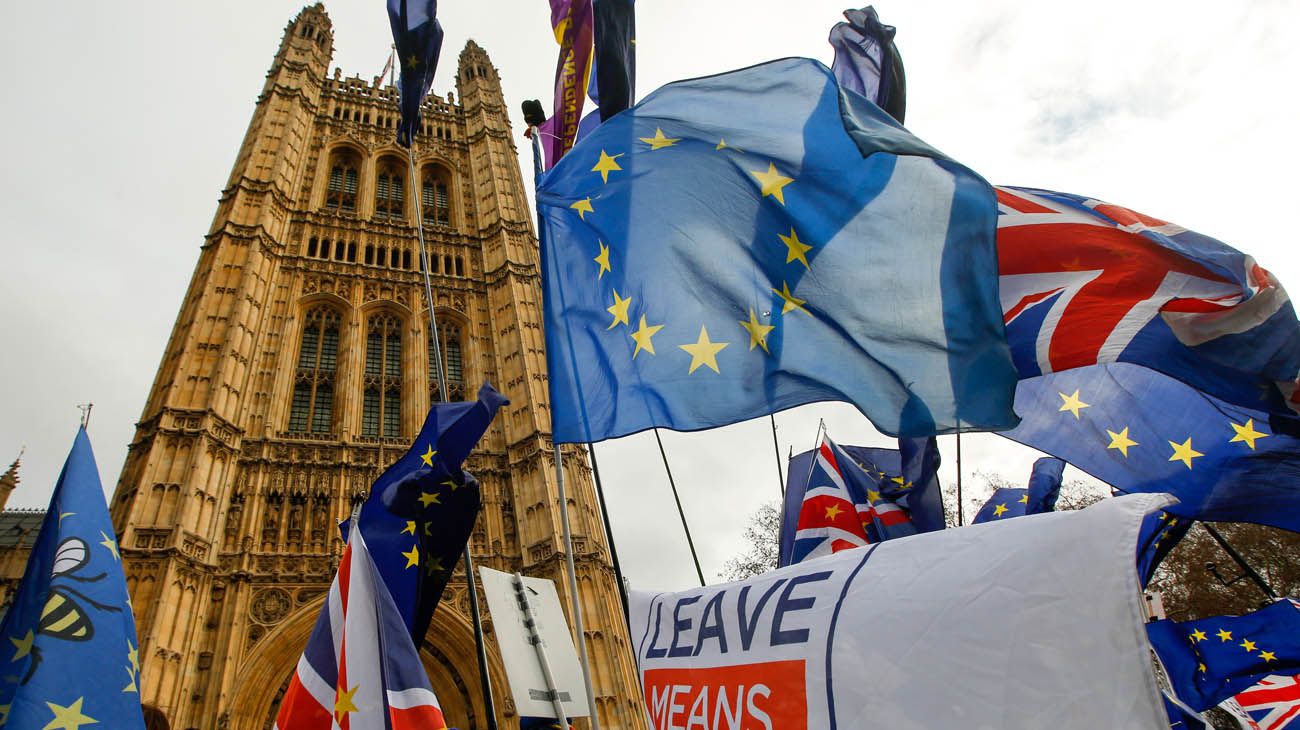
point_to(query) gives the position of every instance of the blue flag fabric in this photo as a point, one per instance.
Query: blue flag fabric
(613, 85)
(1212, 659)
(1160, 532)
(418, 36)
(868, 62)
(1141, 431)
(421, 510)
(72, 654)
(1040, 496)
(716, 268)
(1182, 717)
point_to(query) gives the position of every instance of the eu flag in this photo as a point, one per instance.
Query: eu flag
(744, 243)
(1212, 659)
(1141, 431)
(1040, 496)
(418, 37)
(421, 510)
(72, 656)
(1159, 534)
(868, 62)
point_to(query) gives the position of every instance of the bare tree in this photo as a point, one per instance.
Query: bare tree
(762, 534)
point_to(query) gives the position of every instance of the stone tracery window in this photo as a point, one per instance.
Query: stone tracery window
(452, 360)
(312, 408)
(381, 408)
(390, 192)
(435, 196)
(341, 190)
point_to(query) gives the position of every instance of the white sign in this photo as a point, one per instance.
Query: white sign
(523, 669)
(1032, 623)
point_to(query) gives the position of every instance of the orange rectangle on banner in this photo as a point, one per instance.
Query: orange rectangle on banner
(760, 696)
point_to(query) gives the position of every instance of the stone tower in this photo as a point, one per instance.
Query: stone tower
(299, 367)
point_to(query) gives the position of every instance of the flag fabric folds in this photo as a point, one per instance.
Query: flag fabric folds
(1086, 282)
(360, 667)
(1182, 717)
(1141, 431)
(1210, 660)
(713, 269)
(614, 77)
(829, 519)
(1040, 496)
(1161, 531)
(868, 62)
(71, 614)
(418, 36)
(1273, 704)
(421, 510)
(573, 24)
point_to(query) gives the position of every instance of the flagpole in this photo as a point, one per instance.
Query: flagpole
(960, 519)
(776, 447)
(1240, 560)
(471, 584)
(609, 536)
(680, 512)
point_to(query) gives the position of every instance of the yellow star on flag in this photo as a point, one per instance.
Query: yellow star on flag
(1200, 668)
(413, 60)
(606, 165)
(343, 702)
(1121, 441)
(1247, 433)
(1000, 510)
(1024, 499)
(449, 483)
(602, 259)
(413, 557)
(433, 566)
(1267, 656)
(642, 337)
(1247, 644)
(22, 646)
(618, 310)
(1184, 452)
(428, 498)
(772, 182)
(704, 352)
(410, 528)
(791, 302)
(659, 141)
(111, 544)
(427, 528)
(1198, 635)
(833, 511)
(873, 496)
(795, 249)
(722, 144)
(130, 686)
(4, 713)
(1224, 635)
(583, 207)
(757, 331)
(427, 456)
(1072, 403)
(68, 718)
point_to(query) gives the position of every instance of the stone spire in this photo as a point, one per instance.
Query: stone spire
(9, 480)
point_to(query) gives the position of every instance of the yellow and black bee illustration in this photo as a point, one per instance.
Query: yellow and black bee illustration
(66, 615)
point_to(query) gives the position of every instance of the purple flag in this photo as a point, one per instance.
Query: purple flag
(573, 25)
(867, 62)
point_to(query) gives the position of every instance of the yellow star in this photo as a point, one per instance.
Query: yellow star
(1000, 510)
(454, 486)
(583, 207)
(133, 656)
(23, 646)
(833, 511)
(413, 557)
(873, 496)
(1072, 403)
(643, 336)
(109, 543)
(1121, 441)
(1198, 635)
(1200, 668)
(434, 566)
(791, 301)
(1024, 499)
(704, 352)
(1224, 635)
(413, 60)
(1247, 644)
(757, 331)
(602, 259)
(4, 713)
(795, 249)
(721, 145)
(618, 310)
(410, 528)
(65, 514)
(427, 527)
(428, 498)
(1247, 433)
(606, 165)
(771, 182)
(1184, 452)
(427, 456)
(1267, 656)
(343, 703)
(68, 718)
(130, 687)
(659, 141)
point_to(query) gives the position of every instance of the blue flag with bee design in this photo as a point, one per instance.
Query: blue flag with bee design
(68, 652)
(744, 243)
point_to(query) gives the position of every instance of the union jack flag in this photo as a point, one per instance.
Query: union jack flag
(360, 670)
(1086, 282)
(1274, 703)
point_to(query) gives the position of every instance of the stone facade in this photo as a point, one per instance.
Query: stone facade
(299, 367)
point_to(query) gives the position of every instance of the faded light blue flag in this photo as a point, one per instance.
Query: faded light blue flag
(744, 243)
(70, 655)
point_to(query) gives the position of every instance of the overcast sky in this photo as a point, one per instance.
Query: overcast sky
(124, 119)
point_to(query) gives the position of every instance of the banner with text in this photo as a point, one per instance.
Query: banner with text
(1032, 623)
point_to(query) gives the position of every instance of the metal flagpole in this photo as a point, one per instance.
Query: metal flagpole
(780, 474)
(471, 583)
(681, 513)
(960, 520)
(1240, 560)
(609, 535)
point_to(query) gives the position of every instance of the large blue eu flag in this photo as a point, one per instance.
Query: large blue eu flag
(417, 35)
(70, 654)
(1038, 497)
(744, 243)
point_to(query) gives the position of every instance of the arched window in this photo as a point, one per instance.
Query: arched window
(389, 190)
(312, 408)
(453, 362)
(435, 197)
(381, 408)
(341, 192)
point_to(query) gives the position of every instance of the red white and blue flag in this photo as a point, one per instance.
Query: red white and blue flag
(360, 670)
(1274, 703)
(1086, 282)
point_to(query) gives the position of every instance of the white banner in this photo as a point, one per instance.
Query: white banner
(1033, 623)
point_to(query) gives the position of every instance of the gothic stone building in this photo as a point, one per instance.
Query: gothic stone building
(299, 367)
